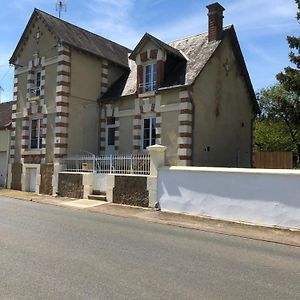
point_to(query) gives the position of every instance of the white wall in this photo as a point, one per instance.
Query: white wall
(100, 182)
(267, 197)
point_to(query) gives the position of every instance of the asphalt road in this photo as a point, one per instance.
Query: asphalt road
(49, 252)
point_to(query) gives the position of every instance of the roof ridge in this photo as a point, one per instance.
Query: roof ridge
(196, 35)
(90, 32)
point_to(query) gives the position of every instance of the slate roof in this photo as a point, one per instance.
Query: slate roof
(156, 41)
(80, 38)
(196, 49)
(5, 114)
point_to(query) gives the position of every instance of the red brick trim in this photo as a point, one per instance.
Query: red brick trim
(189, 123)
(185, 146)
(144, 57)
(63, 94)
(182, 100)
(60, 145)
(185, 157)
(64, 73)
(61, 103)
(60, 134)
(185, 134)
(63, 83)
(64, 52)
(186, 111)
(153, 53)
(64, 63)
(61, 124)
(62, 114)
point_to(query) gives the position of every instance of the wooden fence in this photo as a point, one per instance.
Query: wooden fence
(273, 160)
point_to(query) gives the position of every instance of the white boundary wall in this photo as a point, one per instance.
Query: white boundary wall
(261, 196)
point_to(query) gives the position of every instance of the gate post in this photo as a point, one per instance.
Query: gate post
(157, 160)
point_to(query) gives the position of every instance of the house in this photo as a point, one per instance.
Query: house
(77, 92)
(193, 95)
(5, 124)
(60, 72)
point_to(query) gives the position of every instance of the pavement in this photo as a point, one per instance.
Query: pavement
(231, 228)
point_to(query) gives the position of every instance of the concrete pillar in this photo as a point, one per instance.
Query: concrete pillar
(157, 160)
(110, 184)
(57, 167)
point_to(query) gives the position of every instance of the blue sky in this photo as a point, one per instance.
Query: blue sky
(261, 25)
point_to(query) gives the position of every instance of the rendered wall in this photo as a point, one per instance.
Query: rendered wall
(267, 197)
(222, 133)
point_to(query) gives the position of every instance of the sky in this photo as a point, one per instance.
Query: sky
(261, 26)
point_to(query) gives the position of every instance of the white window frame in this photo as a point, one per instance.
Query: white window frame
(151, 118)
(39, 133)
(150, 86)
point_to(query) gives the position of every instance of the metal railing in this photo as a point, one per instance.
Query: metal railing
(148, 87)
(109, 164)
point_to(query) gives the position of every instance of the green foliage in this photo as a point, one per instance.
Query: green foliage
(278, 128)
(272, 135)
(290, 78)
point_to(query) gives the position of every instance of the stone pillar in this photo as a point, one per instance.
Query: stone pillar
(157, 160)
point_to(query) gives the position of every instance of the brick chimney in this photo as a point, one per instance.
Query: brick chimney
(215, 21)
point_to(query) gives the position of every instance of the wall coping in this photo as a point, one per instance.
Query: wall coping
(234, 170)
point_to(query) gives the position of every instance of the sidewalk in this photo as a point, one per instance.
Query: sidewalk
(270, 234)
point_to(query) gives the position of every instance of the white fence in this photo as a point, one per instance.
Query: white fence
(109, 164)
(261, 196)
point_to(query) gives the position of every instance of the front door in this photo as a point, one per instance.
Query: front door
(32, 180)
(110, 135)
(3, 168)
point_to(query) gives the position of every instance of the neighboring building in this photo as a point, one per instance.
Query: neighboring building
(60, 72)
(192, 95)
(5, 124)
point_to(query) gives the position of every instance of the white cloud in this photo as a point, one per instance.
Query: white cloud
(113, 19)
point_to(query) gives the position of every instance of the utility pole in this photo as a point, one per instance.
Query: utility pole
(1, 90)
(60, 6)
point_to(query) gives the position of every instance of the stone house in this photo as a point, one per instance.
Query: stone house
(60, 72)
(77, 92)
(193, 95)
(5, 124)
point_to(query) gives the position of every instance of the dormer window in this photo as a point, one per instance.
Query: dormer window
(150, 75)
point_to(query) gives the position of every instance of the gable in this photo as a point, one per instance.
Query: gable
(36, 39)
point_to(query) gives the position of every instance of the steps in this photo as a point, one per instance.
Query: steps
(97, 195)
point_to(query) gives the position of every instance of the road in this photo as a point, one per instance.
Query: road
(49, 252)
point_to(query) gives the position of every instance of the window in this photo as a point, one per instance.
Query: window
(149, 132)
(37, 83)
(111, 127)
(150, 78)
(35, 134)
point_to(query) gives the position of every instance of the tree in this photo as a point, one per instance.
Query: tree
(279, 123)
(290, 78)
(280, 118)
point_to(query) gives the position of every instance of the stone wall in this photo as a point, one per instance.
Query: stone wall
(70, 185)
(46, 179)
(131, 190)
(16, 171)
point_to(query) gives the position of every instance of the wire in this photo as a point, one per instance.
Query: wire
(5, 74)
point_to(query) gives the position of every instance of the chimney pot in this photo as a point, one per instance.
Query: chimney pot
(215, 21)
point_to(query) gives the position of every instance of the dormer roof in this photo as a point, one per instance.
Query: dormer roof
(160, 44)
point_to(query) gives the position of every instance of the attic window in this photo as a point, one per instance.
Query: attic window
(150, 74)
